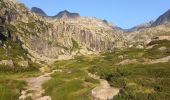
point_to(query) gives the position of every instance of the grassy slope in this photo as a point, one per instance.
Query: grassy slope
(136, 81)
(10, 87)
(71, 84)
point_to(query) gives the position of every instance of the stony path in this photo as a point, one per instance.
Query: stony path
(34, 88)
(104, 91)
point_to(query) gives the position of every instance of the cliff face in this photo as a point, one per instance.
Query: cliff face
(163, 19)
(67, 37)
(51, 38)
(68, 34)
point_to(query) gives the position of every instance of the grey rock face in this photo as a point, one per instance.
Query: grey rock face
(67, 14)
(163, 19)
(38, 11)
(63, 35)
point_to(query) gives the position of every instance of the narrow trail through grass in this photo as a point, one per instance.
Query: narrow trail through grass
(34, 89)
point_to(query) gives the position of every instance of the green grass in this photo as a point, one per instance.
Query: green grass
(136, 81)
(7, 94)
(142, 82)
(155, 53)
(75, 44)
(73, 83)
(10, 77)
(13, 50)
(11, 86)
(71, 90)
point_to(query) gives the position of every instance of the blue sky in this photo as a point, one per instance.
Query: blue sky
(123, 13)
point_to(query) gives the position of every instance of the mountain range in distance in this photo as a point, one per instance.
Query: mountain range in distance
(163, 19)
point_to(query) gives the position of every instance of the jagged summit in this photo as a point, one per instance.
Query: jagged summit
(38, 11)
(67, 14)
(163, 19)
(63, 14)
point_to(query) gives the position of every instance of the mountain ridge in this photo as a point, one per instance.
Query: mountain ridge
(164, 18)
(38, 11)
(60, 37)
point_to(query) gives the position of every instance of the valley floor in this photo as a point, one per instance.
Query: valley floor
(137, 74)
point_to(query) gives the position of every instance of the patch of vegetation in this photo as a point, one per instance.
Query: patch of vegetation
(136, 81)
(10, 85)
(31, 25)
(75, 44)
(142, 82)
(155, 53)
(72, 83)
(13, 51)
(10, 89)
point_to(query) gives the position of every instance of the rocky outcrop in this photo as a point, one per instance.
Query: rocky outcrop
(23, 64)
(145, 32)
(38, 11)
(66, 14)
(62, 35)
(8, 63)
(128, 61)
(163, 19)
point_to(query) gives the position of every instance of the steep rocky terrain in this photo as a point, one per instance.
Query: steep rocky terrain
(60, 36)
(48, 38)
(143, 34)
(66, 14)
(132, 64)
(38, 11)
(163, 19)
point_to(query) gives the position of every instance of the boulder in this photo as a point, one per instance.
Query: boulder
(121, 57)
(23, 64)
(162, 48)
(7, 63)
(128, 61)
(139, 47)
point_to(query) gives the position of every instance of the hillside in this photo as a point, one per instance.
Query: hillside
(72, 57)
(57, 37)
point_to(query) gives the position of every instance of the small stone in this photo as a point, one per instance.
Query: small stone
(23, 64)
(120, 57)
(7, 63)
(139, 47)
(23, 92)
(162, 48)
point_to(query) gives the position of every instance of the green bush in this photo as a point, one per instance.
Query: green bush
(75, 44)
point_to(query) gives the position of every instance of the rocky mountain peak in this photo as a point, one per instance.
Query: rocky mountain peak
(67, 14)
(38, 11)
(163, 19)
